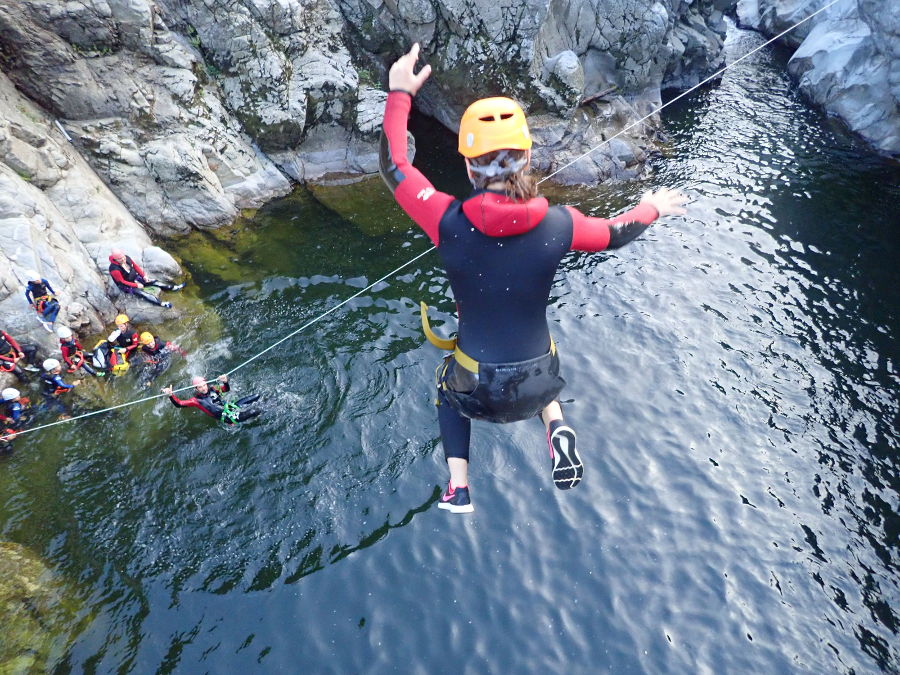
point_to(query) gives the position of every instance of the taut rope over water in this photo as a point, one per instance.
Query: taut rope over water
(321, 316)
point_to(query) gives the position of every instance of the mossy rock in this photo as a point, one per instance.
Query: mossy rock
(367, 203)
(37, 614)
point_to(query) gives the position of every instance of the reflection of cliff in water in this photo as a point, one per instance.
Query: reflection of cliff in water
(37, 613)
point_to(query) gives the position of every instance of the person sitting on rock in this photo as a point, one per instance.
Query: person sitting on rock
(157, 355)
(13, 356)
(13, 417)
(40, 295)
(55, 387)
(130, 278)
(72, 351)
(210, 400)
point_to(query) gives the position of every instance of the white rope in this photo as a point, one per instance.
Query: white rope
(685, 93)
(411, 261)
(236, 368)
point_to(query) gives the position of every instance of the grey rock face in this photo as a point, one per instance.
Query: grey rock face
(847, 60)
(58, 218)
(583, 69)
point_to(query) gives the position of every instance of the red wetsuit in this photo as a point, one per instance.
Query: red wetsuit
(500, 255)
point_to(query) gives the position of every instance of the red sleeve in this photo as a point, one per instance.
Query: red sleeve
(137, 268)
(592, 234)
(12, 343)
(65, 354)
(119, 279)
(415, 194)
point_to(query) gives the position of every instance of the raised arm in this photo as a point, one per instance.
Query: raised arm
(415, 193)
(598, 234)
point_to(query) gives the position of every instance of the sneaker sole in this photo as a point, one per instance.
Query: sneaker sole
(567, 466)
(453, 508)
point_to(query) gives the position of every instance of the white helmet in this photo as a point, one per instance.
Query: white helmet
(10, 394)
(51, 364)
(31, 275)
(64, 332)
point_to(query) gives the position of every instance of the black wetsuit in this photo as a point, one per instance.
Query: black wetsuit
(213, 404)
(9, 350)
(501, 256)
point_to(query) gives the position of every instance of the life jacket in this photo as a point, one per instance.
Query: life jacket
(72, 353)
(109, 359)
(212, 402)
(128, 273)
(50, 387)
(8, 410)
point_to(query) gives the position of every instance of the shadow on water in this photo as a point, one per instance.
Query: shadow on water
(732, 377)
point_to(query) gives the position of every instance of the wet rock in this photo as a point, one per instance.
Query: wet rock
(37, 613)
(847, 60)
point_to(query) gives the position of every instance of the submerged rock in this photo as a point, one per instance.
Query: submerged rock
(36, 613)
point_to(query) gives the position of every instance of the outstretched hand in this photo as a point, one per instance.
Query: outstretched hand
(402, 75)
(667, 202)
(167, 390)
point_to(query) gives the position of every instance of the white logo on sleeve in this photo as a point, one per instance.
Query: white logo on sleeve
(425, 193)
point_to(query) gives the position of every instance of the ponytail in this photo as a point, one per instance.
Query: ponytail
(517, 183)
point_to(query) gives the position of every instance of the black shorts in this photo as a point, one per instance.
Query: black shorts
(501, 392)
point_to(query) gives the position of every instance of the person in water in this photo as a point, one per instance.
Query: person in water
(500, 247)
(124, 339)
(54, 387)
(130, 278)
(157, 356)
(42, 298)
(72, 351)
(13, 417)
(16, 358)
(209, 399)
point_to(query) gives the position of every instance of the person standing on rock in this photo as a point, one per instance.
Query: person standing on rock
(13, 356)
(130, 278)
(41, 297)
(500, 247)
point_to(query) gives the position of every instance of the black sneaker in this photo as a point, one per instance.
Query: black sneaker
(565, 462)
(456, 500)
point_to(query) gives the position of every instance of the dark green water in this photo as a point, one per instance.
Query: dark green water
(733, 380)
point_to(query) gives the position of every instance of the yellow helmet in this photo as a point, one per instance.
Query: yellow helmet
(146, 338)
(122, 318)
(490, 124)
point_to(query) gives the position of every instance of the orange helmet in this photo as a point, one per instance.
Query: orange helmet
(493, 124)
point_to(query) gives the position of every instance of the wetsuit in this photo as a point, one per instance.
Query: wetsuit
(157, 358)
(13, 417)
(40, 295)
(9, 351)
(128, 275)
(74, 356)
(213, 404)
(126, 339)
(53, 387)
(501, 257)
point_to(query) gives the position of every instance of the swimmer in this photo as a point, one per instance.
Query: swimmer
(209, 399)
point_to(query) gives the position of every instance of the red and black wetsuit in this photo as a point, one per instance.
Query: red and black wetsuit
(127, 277)
(73, 355)
(127, 339)
(500, 255)
(9, 351)
(213, 404)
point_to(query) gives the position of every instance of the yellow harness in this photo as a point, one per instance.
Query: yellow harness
(450, 344)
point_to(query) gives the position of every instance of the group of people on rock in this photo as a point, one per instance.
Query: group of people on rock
(111, 356)
(126, 274)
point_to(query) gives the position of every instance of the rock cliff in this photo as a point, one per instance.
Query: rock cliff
(181, 112)
(846, 60)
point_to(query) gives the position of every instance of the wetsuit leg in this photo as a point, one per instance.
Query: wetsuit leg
(51, 309)
(149, 297)
(456, 430)
(29, 351)
(160, 285)
(248, 399)
(86, 368)
(245, 415)
(19, 373)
